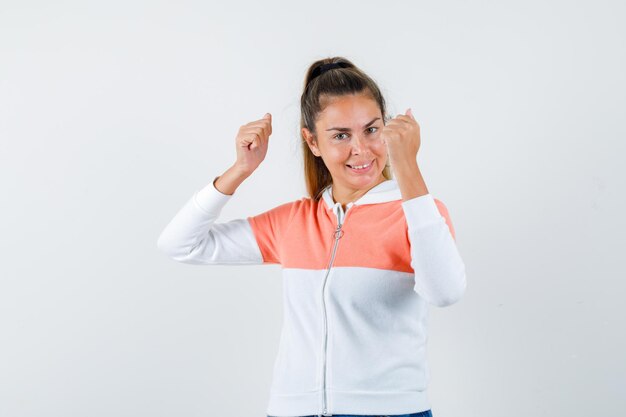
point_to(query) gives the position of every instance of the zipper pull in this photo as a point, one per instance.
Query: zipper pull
(338, 232)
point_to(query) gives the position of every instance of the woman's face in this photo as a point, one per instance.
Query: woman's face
(348, 134)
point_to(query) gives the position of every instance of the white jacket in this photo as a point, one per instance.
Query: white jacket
(356, 291)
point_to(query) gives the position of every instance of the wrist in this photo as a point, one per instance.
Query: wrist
(406, 167)
(229, 181)
(411, 182)
(237, 172)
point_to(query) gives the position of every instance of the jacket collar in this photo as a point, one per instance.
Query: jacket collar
(382, 193)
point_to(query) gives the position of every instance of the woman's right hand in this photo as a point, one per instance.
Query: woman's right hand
(251, 143)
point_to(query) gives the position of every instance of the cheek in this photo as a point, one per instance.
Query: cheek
(380, 148)
(336, 155)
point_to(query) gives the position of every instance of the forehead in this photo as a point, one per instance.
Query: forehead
(346, 110)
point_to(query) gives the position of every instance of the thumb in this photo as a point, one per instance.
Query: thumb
(254, 144)
(409, 112)
(267, 116)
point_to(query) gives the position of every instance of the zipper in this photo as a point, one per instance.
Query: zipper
(338, 233)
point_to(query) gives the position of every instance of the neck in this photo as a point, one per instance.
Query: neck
(345, 196)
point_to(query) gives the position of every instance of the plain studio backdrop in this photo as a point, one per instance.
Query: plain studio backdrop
(112, 114)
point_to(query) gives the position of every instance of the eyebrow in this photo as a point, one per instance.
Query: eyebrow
(347, 129)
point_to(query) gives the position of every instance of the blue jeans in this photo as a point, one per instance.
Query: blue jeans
(426, 413)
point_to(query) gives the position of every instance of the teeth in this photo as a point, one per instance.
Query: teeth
(361, 166)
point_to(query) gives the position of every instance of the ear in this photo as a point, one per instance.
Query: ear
(311, 141)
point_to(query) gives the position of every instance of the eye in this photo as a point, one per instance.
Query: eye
(338, 135)
(373, 127)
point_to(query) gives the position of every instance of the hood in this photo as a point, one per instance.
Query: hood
(382, 193)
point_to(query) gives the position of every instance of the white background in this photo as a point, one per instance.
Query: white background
(113, 113)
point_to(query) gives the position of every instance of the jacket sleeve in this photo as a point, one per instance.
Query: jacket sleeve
(269, 228)
(194, 237)
(439, 269)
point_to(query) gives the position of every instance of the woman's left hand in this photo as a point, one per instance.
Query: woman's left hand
(402, 137)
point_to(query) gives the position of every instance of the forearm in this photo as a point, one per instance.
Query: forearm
(410, 181)
(229, 181)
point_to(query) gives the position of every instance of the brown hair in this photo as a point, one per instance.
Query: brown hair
(317, 90)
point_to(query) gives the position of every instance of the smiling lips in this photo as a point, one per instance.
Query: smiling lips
(361, 167)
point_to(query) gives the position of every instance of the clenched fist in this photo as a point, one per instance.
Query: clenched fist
(251, 143)
(402, 137)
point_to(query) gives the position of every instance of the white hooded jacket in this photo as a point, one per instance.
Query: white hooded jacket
(356, 291)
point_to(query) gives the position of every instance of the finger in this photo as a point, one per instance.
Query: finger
(400, 118)
(254, 144)
(262, 121)
(258, 140)
(246, 141)
(258, 131)
(403, 118)
(249, 139)
(262, 133)
(262, 124)
(268, 122)
(267, 129)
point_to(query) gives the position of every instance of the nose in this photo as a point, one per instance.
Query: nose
(358, 144)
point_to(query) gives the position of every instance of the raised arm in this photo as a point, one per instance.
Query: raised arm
(193, 236)
(435, 259)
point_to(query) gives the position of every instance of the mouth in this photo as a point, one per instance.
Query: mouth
(361, 168)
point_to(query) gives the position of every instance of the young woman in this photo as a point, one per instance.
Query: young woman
(362, 257)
